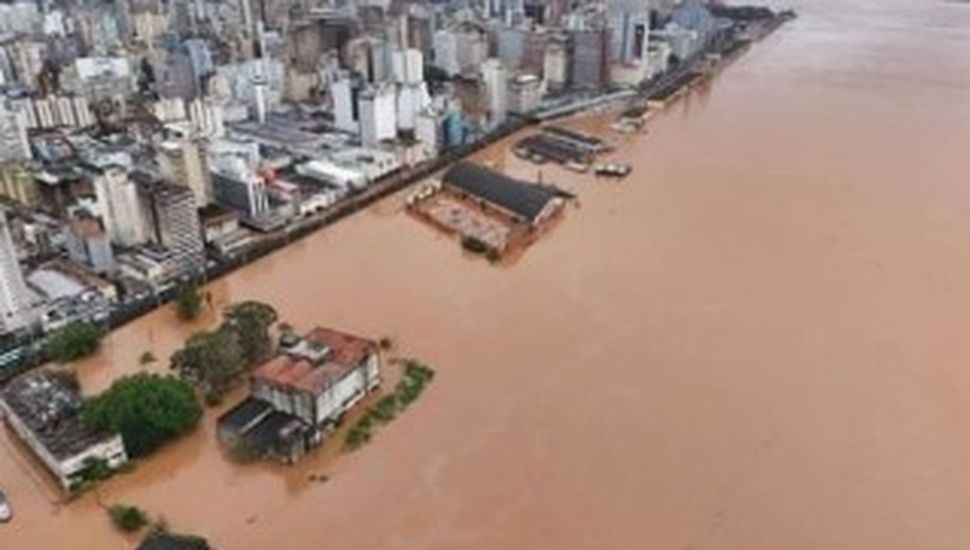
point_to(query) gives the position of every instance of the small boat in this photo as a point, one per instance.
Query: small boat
(578, 167)
(6, 512)
(627, 125)
(613, 170)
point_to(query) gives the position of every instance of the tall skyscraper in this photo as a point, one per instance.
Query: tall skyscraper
(181, 162)
(175, 221)
(344, 93)
(378, 114)
(589, 67)
(88, 244)
(629, 22)
(13, 136)
(495, 81)
(16, 310)
(120, 206)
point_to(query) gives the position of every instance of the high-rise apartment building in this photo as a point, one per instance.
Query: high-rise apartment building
(378, 114)
(120, 205)
(590, 59)
(182, 162)
(88, 244)
(16, 309)
(13, 136)
(174, 221)
(629, 23)
(495, 84)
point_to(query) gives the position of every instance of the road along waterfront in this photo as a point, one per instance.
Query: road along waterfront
(757, 341)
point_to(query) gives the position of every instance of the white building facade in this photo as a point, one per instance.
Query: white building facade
(16, 307)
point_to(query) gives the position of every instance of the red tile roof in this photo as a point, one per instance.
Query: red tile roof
(346, 353)
(345, 348)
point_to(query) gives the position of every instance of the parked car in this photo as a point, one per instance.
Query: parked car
(6, 512)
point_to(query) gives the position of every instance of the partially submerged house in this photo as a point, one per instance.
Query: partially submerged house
(43, 409)
(523, 202)
(297, 397)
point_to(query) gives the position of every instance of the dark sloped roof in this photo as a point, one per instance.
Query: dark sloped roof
(244, 414)
(174, 542)
(523, 199)
(586, 140)
(276, 427)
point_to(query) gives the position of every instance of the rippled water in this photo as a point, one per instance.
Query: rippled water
(758, 341)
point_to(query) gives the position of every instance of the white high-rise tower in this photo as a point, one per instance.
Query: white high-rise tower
(629, 22)
(16, 310)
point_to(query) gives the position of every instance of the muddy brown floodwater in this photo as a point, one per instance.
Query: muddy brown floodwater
(758, 341)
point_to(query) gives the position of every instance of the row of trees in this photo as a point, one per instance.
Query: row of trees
(150, 409)
(79, 339)
(214, 361)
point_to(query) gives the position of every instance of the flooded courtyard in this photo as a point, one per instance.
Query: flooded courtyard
(757, 340)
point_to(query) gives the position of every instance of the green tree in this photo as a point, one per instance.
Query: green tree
(146, 409)
(211, 361)
(188, 300)
(127, 518)
(73, 341)
(251, 321)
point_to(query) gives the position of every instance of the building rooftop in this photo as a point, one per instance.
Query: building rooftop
(565, 133)
(54, 284)
(213, 213)
(317, 361)
(159, 187)
(168, 541)
(276, 426)
(81, 274)
(330, 172)
(523, 199)
(49, 405)
(87, 227)
(245, 414)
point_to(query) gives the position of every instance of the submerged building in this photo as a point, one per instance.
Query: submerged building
(297, 398)
(523, 202)
(43, 410)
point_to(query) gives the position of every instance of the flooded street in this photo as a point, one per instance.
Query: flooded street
(759, 340)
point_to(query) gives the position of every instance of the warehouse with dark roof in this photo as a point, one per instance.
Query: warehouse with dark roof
(525, 202)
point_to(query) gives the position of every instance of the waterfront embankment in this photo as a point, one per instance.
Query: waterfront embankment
(758, 340)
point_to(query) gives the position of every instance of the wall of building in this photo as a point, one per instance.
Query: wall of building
(15, 300)
(299, 404)
(121, 207)
(111, 450)
(347, 391)
(378, 115)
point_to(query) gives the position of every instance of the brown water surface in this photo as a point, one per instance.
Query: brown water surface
(758, 341)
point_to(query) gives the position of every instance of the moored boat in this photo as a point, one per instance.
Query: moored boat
(613, 169)
(6, 510)
(578, 167)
